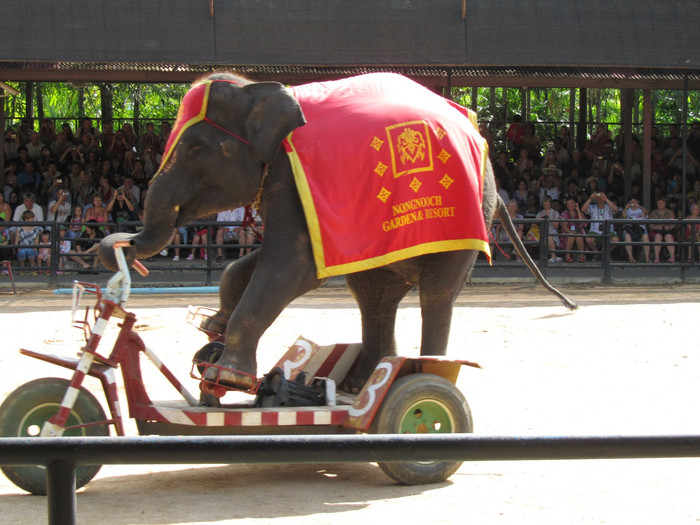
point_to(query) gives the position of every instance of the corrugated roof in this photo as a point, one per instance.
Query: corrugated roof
(532, 76)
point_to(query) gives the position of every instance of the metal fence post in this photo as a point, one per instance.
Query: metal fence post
(60, 491)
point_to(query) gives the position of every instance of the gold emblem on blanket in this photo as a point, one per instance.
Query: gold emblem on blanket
(411, 150)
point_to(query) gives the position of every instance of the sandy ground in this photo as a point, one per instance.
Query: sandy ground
(627, 362)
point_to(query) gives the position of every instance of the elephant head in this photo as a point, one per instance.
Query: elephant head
(227, 130)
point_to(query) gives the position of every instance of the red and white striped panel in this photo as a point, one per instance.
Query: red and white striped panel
(331, 361)
(251, 417)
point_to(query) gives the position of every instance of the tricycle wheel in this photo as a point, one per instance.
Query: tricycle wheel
(422, 404)
(23, 414)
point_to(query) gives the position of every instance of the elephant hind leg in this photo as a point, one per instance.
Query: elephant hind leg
(378, 294)
(438, 292)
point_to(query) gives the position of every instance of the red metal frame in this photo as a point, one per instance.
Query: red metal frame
(333, 362)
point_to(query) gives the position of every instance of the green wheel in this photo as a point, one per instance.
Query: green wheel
(23, 414)
(422, 404)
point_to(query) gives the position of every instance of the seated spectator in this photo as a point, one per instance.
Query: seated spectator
(86, 129)
(60, 146)
(44, 255)
(51, 181)
(29, 179)
(121, 210)
(561, 153)
(599, 208)
(615, 181)
(251, 227)
(501, 236)
(75, 222)
(164, 135)
(503, 171)
(34, 146)
(68, 132)
(12, 144)
(29, 204)
(129, 136)
(88, 143)
(42, 163)
(151, 160)
(97, 212)
(549, 184)
(132, 192)
(601, 136)
(150, 138)
(660, 232)
(572, 218)
(64, 247)
(71, 155)
(104, 188)
(201, 234)
(692, 231)
(547, 212)
(532, 207)
(694, 193)
(523, 163)
(27, 237)
(520, 195)
(635, 231)
(228, 232)
(179, 237)
(5, 209)
(10, 179)
(501, 191)
(87, 245)
(531, 183)
(61, 207)
(85, 189)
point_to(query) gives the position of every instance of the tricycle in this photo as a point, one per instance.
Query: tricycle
(300, 394)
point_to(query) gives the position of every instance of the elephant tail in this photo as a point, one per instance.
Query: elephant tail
(507, 224)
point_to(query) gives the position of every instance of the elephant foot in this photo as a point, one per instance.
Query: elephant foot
(228, 378)
(207, 399)
(354, 382)
(216, 324)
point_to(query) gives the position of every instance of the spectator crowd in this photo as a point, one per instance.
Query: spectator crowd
(88, 182)
(577, 189)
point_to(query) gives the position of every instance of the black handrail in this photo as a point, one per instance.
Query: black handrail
(62, 455)
(688, 249)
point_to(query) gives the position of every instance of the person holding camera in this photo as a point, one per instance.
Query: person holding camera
(121, 209)
(599, 208)
(61, 207)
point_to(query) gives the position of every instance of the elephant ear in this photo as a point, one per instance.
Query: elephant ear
(274, 114)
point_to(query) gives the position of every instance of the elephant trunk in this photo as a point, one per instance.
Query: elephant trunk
(156, 234)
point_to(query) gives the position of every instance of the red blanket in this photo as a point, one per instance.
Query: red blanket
(386, 170)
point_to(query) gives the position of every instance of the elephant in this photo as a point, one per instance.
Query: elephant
(228, 154)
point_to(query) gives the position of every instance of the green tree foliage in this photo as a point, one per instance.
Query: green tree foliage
(546, 107)
(61, 101)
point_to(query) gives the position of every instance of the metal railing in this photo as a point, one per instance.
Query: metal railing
(61, 456)
(609, 255)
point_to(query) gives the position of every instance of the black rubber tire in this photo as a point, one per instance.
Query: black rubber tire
(422, 403)
(23, 413)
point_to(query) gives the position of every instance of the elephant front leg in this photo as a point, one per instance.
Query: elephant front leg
(234, 281)
(268, 292)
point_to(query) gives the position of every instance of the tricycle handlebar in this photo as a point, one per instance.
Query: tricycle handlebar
(137, 265)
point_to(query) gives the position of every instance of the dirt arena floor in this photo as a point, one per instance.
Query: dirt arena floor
(627, 362)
